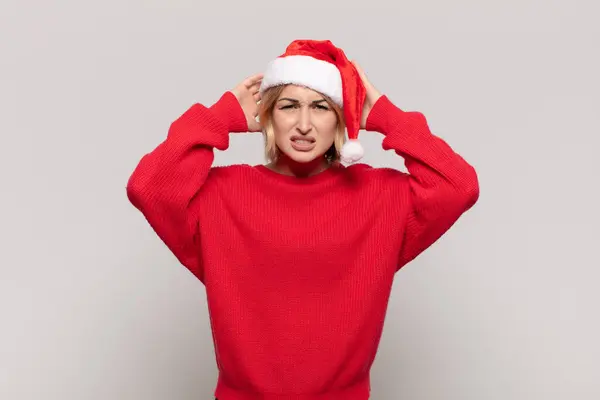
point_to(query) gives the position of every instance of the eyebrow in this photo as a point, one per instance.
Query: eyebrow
(297, 101)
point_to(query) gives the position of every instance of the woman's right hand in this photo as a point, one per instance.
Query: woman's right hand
(248, 96)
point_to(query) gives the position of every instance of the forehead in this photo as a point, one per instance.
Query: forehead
(300, 93)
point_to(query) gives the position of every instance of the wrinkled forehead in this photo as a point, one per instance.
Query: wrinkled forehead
(300, 93)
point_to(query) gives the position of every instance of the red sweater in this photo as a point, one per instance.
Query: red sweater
(298, 271)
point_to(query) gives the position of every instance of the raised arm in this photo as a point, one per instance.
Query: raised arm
(440, 185)
(166, 181)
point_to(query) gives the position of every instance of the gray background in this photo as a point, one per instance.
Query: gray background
(93, 306)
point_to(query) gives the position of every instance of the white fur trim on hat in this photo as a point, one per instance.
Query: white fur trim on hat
(313, 73)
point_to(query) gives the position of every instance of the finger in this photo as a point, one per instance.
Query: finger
(363, 77)
(359, 69)
(254, 126)
(256, 97)
(251, 80)
(255, 88)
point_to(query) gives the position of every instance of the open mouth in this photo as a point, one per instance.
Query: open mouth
(301, 143)
(303, 139)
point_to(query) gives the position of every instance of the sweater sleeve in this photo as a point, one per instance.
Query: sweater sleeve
(165, 184)
(440, 184)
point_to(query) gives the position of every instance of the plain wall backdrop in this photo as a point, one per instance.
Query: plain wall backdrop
(94, 307)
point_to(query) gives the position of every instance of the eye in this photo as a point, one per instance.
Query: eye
(288, 106)
(321, 107)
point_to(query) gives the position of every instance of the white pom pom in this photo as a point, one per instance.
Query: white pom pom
(352, 151)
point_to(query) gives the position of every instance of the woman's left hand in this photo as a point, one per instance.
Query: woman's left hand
(372, 96)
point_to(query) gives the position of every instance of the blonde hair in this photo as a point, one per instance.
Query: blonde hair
(265, 114)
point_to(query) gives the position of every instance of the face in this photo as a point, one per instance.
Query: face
(304, 124)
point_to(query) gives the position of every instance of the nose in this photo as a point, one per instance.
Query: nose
(304, 125)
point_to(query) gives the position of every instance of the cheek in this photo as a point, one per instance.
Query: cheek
(282, 123)
(327, 127)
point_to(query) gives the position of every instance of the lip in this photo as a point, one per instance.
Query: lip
(303, 146)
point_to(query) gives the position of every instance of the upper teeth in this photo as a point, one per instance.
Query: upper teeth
(302, 141)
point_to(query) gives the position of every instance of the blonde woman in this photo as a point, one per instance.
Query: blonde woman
(298, 256)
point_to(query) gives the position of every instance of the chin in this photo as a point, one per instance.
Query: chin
(302, 157)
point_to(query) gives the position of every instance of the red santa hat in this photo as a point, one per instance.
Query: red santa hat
(321, 66)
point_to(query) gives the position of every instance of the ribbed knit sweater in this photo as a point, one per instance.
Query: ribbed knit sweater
(298, 271)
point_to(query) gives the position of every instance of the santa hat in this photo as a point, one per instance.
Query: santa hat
(321, 66)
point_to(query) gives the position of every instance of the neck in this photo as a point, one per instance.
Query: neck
(286, 166)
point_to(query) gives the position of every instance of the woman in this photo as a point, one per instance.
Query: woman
(298, 256)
